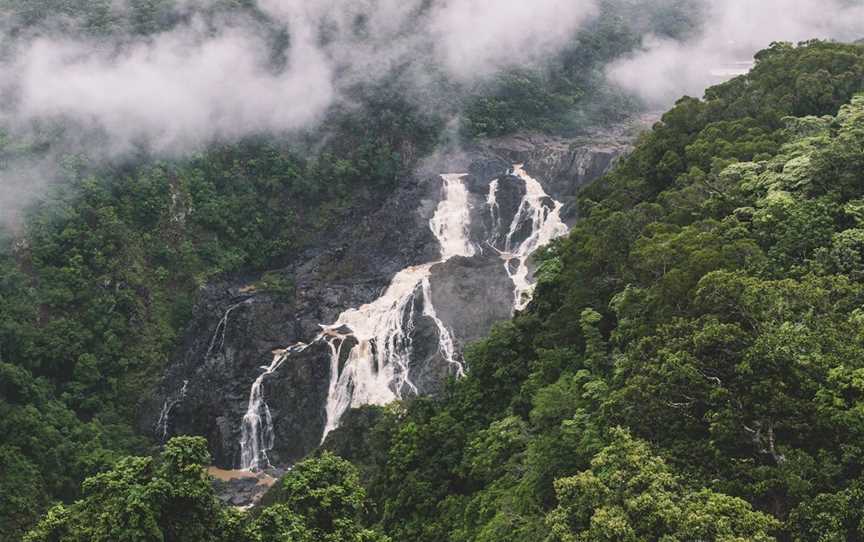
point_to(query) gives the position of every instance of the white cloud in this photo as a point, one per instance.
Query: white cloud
(481, 36)
(734, 30)
(177, 91)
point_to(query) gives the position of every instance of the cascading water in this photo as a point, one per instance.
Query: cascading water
(218, 337)
(379, 335)
(165, 414)
(256, 433)
(222, 329)
(494, 212)
(377, 369)
(452, 219)
(546, 226)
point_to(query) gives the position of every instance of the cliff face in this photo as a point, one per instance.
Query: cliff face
(493, 211)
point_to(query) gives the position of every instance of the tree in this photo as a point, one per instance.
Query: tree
(320, 499)
(145, 500)
(630, 494)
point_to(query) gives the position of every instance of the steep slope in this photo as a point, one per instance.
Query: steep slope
(687, 367)
(381, 314)
(119, 247)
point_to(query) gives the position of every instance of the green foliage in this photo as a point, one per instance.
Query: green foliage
(629, 494)
(572, 91)
(98, 279)
(320, 499)
(322, 490)
(141, 500)
(276, 283)
(709, 301)
(171, 499)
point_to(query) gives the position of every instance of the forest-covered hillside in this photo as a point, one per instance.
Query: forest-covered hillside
(690, 367)
(103, 255)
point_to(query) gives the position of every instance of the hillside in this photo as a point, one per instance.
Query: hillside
(371, 295)
(113, 236)
(687, 369)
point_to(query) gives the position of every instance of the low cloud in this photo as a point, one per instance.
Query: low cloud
(481, 36)
(733, 31)
(175, 92)
(223, 77)
(183, 88)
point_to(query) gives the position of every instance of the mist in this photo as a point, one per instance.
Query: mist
(181, 89)
(733, 31)
(280, 68)
(175, 92)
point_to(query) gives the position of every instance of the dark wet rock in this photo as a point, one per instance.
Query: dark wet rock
(205, 389)
(565, 165)
(220, 362)
(472, 294)
(428, 370)
(485, 170)
(489, 226)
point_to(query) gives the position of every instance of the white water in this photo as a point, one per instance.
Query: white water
(494, 212)
(218, 337)
(256, 433)
(167, 407)
(222, 329)
(452, 219)
(546, 225)
(376, 369)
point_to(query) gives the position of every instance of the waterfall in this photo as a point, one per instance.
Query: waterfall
(256, 432)
(546, 225)
(377, 369)
(222, 329)
(379, 335)
(165, 413)
(218, 337)
(494, 212)
(452, 219)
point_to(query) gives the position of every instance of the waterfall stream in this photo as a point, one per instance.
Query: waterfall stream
(546, 226)
(165, 413)
(218, 337)
(379, 335)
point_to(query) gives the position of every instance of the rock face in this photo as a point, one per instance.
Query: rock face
(472, 294)
(237, 328)
(565, 165)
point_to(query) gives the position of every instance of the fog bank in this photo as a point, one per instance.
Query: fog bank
(733, 31)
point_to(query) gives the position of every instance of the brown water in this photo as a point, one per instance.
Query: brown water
(228, 475)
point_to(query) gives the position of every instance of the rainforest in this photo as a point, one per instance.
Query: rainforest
(431, 271)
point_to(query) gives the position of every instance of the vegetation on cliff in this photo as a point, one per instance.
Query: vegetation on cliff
(690, 366)
(99, 276)
(689, 369)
